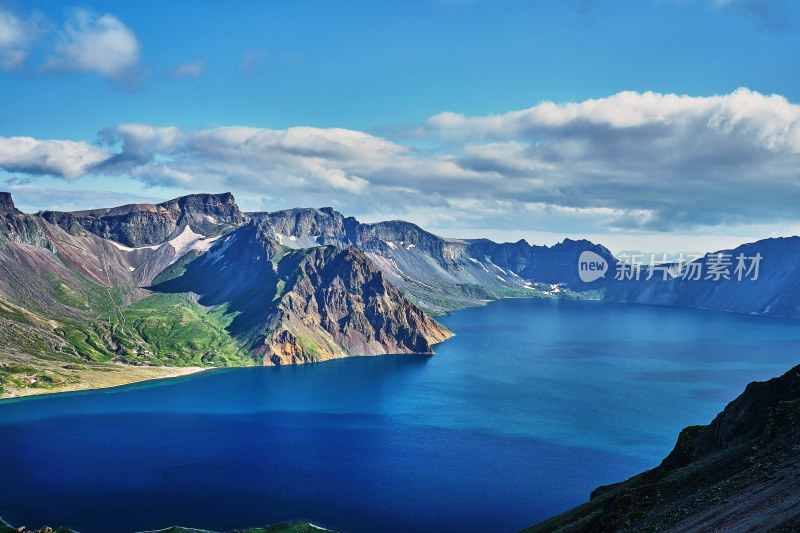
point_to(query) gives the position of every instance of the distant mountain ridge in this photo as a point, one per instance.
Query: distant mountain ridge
(440, 274)
(771, 290)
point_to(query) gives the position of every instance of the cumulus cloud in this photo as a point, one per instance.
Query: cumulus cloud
(66, 159)
(96, 43)
(669, 160)
(16, 35)
(192, 69)
(631, 161)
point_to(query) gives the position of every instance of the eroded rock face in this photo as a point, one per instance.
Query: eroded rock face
(146, 224)
(283, 348)
(20, 228)
(7, 204)
(342, 293)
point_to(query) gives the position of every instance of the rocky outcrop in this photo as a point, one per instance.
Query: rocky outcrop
(341, 304)
(283, 348)
(20, 228)
(741, 472)
(7, 204)
(137, 225)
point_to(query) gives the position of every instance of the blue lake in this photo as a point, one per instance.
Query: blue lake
(532, 405)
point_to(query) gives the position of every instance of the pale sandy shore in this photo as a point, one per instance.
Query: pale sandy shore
(86, 376)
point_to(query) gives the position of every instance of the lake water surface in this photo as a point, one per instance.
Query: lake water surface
(528, 408)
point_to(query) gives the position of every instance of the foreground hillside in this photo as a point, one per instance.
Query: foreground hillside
(739, 473)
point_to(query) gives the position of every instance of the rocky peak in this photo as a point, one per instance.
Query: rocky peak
(7, 204)
(221, 205)
(146, 224)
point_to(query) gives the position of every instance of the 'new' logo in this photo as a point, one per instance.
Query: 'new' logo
(591, 266)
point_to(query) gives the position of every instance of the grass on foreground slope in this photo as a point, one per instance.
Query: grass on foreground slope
(180, 332)
(289, 527)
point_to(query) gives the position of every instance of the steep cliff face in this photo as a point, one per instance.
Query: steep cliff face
(23, 229)
(340, 304)
(7, 204)
(138, 225)
(739, 473)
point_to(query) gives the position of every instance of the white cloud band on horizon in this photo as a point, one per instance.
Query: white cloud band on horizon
(631, 162)
(67, 159)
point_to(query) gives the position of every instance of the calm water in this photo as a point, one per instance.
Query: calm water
(532, 405)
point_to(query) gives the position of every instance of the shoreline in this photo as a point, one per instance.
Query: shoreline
(105, 376)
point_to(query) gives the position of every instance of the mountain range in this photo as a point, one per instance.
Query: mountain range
(196, 282)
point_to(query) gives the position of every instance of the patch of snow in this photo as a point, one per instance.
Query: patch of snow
(415, 280)
(497, 267)
(391, 245)
(187, 241)
(501, 279)
(129, 249)
(478, 262)
(410, 246)
(131, 269)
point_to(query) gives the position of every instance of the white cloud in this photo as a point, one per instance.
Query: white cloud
(743, 112)
(632, 162)
(16, 36)
(67, 159)
(96, 43)
(192, 69)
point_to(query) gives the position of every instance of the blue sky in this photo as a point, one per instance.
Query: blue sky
(650, 124)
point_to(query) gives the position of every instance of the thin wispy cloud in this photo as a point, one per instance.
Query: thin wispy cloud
(769, 15)
(253, 60)
(191, 69)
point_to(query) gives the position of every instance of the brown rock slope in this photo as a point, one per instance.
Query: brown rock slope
(740, 473)
(340, 304)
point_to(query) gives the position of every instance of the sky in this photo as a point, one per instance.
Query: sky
(653, 125)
